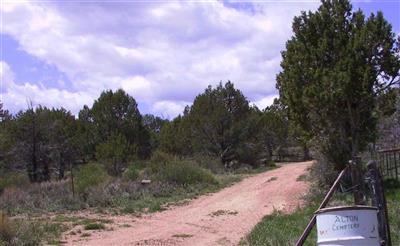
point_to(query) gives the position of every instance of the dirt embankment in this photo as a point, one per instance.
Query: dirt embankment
(222, 218)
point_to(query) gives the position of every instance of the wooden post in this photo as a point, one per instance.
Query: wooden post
(328, 196)
(387, 164)
(72, 180)
(379, 201)
(395, 165)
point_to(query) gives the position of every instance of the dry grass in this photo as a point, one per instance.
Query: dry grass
(6, 231)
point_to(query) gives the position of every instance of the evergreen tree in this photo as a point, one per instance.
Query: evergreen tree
(154, 124)
(116, 113)
(217, 118)
(334, 66)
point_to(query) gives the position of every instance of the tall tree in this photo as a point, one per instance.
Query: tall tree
(6, 140)
(275, 126)
(154, 124)
(176, 136)
(117, 113)
(217, 117)
(85, 137)
(334, 66)
(61, 132)
(30, 131)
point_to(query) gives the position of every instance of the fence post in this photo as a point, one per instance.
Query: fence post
(379, 201)
(395, 165)
(72, 179)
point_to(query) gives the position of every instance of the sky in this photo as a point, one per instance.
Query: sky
(163, 53)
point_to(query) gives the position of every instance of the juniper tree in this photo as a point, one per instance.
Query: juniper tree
(333, 68)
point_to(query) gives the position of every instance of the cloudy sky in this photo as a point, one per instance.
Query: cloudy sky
(163, 53)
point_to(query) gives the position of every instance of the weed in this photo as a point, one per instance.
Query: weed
(131, 173)
(285, 229)
(94, 226)
(90, 175)
(16, 180)
(183, 173)
(302, 177)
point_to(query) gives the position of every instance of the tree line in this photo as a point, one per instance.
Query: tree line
(338, 81)
(46, 142)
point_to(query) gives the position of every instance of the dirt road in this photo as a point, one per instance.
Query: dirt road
(222, 218)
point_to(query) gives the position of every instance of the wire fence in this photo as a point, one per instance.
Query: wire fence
(389, 163)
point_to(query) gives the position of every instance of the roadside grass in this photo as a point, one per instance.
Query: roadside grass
(32, 233)
(172, 180)
(393, 202)
(280, 229)
(95, 226)
(39, 212)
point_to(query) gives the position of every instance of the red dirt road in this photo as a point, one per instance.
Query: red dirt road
(222, 218)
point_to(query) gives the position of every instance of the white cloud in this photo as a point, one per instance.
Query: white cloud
(169, 109)
(18, 96)
(163, 54)
(265, 101)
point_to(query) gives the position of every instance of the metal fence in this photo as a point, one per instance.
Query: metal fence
(389, 163)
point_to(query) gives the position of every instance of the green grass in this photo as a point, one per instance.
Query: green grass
(393, 203)
(89, 175)
(151, 203)
(16, 180)
(33, 233)
(173, 183)
(280, 229)
(95, 226)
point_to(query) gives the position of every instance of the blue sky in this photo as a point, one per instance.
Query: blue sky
(163, 53)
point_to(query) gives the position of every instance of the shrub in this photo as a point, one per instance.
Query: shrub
(185, 173)
(13, 180)
(115, 153)
(160, 158)
(46, 196)
(131, 173)
(322, 173)
(211, 163)
(90, 175)
(94, 226)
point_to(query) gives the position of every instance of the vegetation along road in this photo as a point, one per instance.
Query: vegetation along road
(222, 218)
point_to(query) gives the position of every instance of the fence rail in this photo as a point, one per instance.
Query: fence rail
(389, 163)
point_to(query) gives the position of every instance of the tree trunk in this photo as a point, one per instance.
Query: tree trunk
(306, 153)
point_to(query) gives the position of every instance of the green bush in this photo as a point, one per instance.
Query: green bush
(30, 233)
(16, 180)
(94, 226)
(160, 159)
(90, 175)
(115, 153)
(209, 162)
(131, 173)
(185, 173)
